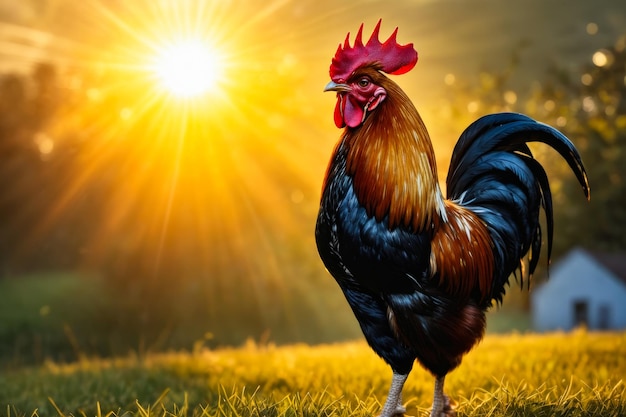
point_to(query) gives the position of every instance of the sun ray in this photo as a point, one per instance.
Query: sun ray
(194, 186)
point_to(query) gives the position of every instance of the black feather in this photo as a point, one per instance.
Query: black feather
(493, 173)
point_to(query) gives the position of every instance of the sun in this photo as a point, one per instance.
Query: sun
(188, 68)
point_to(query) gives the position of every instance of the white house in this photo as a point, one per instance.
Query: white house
(584, 288)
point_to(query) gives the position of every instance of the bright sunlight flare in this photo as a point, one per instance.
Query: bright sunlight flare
(188, 68)
(172, 117)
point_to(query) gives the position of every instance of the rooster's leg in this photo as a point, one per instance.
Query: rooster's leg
(393, 406)
(441, 402)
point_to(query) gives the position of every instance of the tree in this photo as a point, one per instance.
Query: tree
(592, 112)
(590, 108)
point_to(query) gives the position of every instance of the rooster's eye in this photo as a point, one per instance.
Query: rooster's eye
(363, 82)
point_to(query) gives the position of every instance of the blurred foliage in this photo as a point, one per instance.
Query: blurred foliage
(590, 108)
(596, 120)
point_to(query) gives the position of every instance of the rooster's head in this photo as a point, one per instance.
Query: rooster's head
(355, 69)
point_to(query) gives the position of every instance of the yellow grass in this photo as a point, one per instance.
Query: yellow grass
(576, 374)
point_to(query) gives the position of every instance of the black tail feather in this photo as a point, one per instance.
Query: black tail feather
(512, 132)
(493, 172)
(546, 201)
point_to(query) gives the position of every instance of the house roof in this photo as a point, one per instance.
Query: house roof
(584, 267)
(614, 262)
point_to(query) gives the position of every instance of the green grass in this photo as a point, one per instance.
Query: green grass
(65, 316)
(43, 313)
(577, 374)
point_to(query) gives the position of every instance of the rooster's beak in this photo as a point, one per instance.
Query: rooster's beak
(340, 88)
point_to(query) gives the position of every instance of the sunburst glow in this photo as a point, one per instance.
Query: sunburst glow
(189, 137)
(189, 67)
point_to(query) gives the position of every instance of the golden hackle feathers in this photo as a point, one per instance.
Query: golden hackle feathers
(392, 163)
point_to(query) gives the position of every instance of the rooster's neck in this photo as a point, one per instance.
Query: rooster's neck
(391, 160)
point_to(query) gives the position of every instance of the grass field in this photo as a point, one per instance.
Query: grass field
(578, 374)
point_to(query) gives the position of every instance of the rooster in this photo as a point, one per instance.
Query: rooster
(419, 270)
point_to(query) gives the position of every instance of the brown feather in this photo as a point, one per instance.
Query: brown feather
(392, 162)
(462, 253)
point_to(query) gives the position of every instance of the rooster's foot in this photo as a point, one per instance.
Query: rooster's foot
(393, 406)
(400, 410)
(447, 409)
(442, 405)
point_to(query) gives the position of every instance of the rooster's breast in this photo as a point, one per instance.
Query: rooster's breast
(356, 248)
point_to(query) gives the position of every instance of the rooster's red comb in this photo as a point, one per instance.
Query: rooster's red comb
(392, 57)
